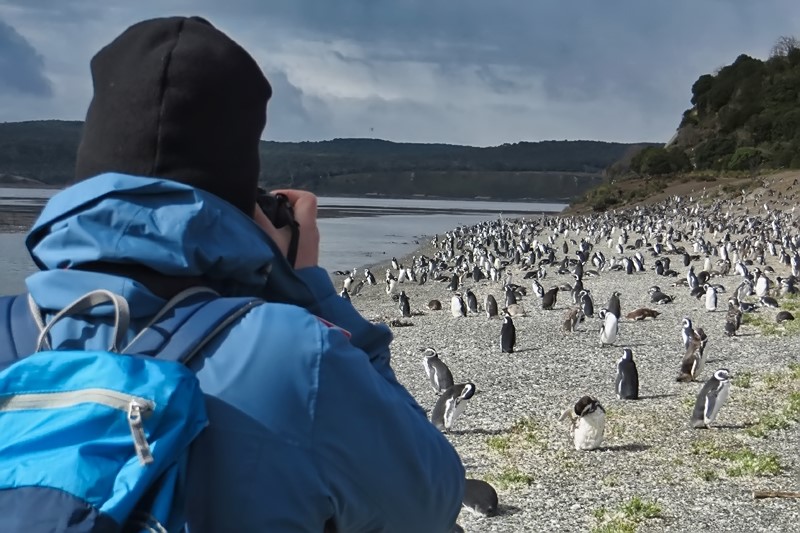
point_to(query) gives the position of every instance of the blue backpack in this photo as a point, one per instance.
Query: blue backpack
(98, 441)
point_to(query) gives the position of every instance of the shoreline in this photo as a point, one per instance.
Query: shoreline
(510, 435)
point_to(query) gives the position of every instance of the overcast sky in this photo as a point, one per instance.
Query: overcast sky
(478, 72)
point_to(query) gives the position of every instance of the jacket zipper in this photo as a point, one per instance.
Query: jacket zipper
(136, 408)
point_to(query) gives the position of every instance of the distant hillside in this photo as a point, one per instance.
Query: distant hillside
(45, 151)
(744, 122)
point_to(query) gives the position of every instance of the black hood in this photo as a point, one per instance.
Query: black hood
(176, 98)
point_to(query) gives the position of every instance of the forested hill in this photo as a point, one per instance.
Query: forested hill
(45, 151)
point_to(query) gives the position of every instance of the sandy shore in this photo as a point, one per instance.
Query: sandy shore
(510, 434)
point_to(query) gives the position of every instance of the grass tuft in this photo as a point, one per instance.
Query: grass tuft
(509, 477)
(627, 516)
(743, 379)
(742, 461)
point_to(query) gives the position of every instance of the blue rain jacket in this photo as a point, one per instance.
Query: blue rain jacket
(308, 423)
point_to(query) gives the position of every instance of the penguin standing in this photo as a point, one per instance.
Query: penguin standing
(451, 405)
(508, 335)
(480, 497)
(711, 298)
(344, 294)
(588, 423)
(457, 306)
(711, 398)
(439, 375)
(614, 307)
(472, 301)
(627, 381)
(610, 329)
(405, 305)
(587, 305)
(370, 277)
(490, 304)
(549, 299)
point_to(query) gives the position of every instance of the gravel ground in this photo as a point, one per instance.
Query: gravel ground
(510, 435)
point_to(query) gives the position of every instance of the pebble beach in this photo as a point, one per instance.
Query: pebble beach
(653, 472)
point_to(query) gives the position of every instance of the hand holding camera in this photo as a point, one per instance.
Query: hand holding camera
(289, 217)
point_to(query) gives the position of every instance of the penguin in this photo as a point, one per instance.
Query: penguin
(508, 335)
(451, 405)
(405, 305)
(642, 313)
(783, 316)
(572, 318)
(711, 398)
(588, 423)
(711, 298)
(549, 299)
(480, 497)
(614, 306)
(453, 285)
(693, 360)
(472, 301)
(690, 334)
(435, 305)
(457, 306)
(514, 310)
(344, 294)
(439, 375)
(370, 277)
(511, 296)
(395, 264)
(490, 305)
(538, 289)
(587, 304)
(627, 381)
(769, 301)
(609, 330)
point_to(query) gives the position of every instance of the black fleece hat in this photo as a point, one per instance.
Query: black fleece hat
(176, 98)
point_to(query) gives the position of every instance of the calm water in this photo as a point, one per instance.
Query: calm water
(354, 231)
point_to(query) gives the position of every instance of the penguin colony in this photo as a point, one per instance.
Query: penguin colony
(693, 269)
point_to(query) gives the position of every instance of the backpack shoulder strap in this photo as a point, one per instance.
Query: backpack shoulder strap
(187, 323)
(18, 329)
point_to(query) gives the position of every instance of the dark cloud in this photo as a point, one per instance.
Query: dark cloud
(467, 71)
(21, 66)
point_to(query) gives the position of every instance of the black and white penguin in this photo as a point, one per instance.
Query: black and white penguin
(538, 289)
(405, 305)
(438, 374)
(453, 285)
(711, 297)
(508, 335)
(610, 329)
(510, 296)
(344, 294)
(451, 405)
(587, 304)
(549, 299)
(472, 301)
(783, 316)
(711, 398)
(395, 264)
(627, 382)
(490, 305)
(480, 498)
(588, 423)
(614, 307)
(370, 277)
(457, 306)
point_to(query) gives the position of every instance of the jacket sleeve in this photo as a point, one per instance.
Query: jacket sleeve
(387, 468)
(373, 339)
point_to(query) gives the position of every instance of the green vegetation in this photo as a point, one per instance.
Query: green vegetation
(509, 477)
(739, 461)
(627, 516)
(519, 437)
(743, 379)
(45, 151)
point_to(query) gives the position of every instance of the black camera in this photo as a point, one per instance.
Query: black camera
(276, 207)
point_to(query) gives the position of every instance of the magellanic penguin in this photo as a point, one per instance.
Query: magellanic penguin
(451, 405)
(642, 313)
(711, 398)
(439, 375)
(609, 329)
(627, 381)
(472, 301)
(490, 305)
(480, 497)
(405, 305)
(435, 305)
(588, 423)
(457, 306)
(549, 299)
(614, 306)
(508, 335)
(711, 298)
(571, 319)
(693, 360)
